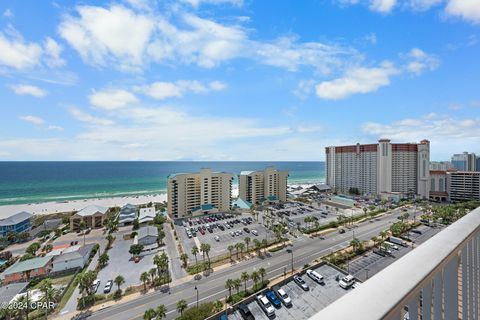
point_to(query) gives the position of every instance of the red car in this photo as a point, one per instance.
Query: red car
(136, 259)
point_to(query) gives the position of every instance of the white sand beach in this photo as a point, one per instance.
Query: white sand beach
(74, 205)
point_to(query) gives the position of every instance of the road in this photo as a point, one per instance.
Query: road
(213, 287)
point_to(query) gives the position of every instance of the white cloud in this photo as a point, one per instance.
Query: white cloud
(53, 51)
(23, 89)
(304, 88)
(357, 80)
(8, 13)
(468, 10)
(382, 6)
(117, 35)
(111, 99)
(18, 54)
(422, 5)
(55, 128)
(420, 62)
(161, 90)
(446, 133)
(197, 3)
(33, 120)
(85, 117)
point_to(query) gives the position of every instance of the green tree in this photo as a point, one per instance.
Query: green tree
(355, 243)
(184, 258)
(229, 286)
(195, 252)
(135, 224)
(135, 249)
(205, 248)
(241, 246)
(119, 280)
(181, 306)
(103, 259)
(237, 283)
(245, 277)
(85, 283)
(50, 294)
(161, 312)
(149, 314)
(82, 227)
(230, 250)
(255, 276)
(144, 278)
(262, 272)
(247, 241)
(152, 272)
(161, 235)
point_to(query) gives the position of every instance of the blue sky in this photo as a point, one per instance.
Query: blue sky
(235, 79)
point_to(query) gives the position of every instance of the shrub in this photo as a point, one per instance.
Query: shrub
(117, 294)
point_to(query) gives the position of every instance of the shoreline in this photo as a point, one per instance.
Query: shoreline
(50, 207)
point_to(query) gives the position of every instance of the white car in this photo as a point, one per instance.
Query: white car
(265, 305)
(254, 232)
(217, 238)
(346, 282)
(95, 285)
(283, 296)
(315, 276)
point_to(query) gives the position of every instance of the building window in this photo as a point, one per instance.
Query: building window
(432, 184)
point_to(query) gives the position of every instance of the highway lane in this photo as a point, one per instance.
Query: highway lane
(213, 287)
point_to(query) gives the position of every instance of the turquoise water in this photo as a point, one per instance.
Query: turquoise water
(32, 182)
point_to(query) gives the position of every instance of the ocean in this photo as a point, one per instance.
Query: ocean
(34, 182)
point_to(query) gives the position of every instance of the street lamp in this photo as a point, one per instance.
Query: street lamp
(196, 289)
(291, 252)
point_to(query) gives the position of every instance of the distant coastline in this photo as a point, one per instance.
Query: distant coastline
(41, 187)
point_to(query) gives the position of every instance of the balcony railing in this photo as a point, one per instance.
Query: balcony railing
(439, 280)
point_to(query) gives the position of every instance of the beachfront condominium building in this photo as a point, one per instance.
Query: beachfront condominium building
(463, 185)
(19, 222)
(191, 194)
(383, 167)
(268, 185)
(464, 161)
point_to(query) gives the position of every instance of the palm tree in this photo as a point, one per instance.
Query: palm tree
(184, 258)
(144, 279)
(152, 272)
(257, 244)
(195, 252)
(264, 245)
(103, 259)
(82, 226)
(375, 240)
(202, 249)
(262, 272)
(230, 249)
(241, 246)
(355, 243)
(119, 280)
(110, 239)
(149, 314)
(206, 249)
(383, 234)
(181, 306)
(161, 312)
(49, 293)
(237, 248)
(247, 241)
(255, 276)
(245, 277)
(229, 286)
(237, 283)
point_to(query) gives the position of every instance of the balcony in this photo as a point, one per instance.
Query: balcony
(438, 280)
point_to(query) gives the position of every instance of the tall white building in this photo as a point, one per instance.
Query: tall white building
(198, 193)
(266, 185)
(440, 165)
(380, 168)
(463, 185)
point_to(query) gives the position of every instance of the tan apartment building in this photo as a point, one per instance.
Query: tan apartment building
(268, 185)
(192, 194)
(93, 216)
(463, 185)
(383, 167)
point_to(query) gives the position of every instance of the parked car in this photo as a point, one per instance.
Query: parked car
(246, 230)
(217, 238)
(315, 276)
(298, 280)
(108, 286)
(245, 312)
(232, 233)
(265, 305)
(341, 230)
(273, 299)
(284, 297)
(95, 285)
(255, 232)
(347, 281)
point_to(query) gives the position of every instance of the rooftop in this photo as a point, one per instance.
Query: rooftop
(26, 265)
(242, 204)
(147, 231)
(8, 292)
(16, 218)
(91, 210)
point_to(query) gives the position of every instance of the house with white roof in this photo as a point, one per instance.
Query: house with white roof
(146, 215)
(93, 216)
(127, 214)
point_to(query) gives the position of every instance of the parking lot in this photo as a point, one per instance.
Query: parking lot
(371, 263)
(296, 212)
(304, 303)
(225, 237)
(121, 263)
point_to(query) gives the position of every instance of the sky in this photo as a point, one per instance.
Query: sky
(235, 79)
